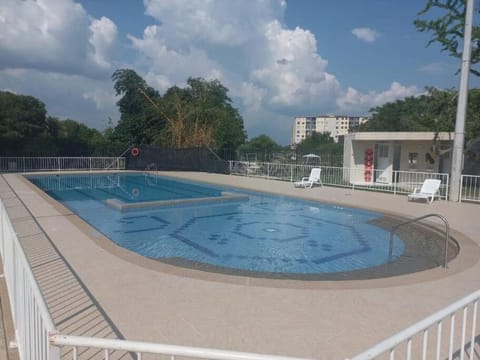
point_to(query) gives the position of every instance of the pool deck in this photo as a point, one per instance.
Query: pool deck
(141, 299)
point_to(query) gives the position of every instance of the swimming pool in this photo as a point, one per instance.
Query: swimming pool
(263, 234)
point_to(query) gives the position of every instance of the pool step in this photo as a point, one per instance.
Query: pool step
(226, 196)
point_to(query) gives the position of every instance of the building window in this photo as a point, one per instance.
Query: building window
(412, 160)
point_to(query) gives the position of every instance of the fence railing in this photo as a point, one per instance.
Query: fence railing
(397, 182)
(470, 188)
(452, 339)
(31, 318)
(22, 164)
(140, 349)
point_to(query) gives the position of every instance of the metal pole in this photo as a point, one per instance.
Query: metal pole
(457, 156)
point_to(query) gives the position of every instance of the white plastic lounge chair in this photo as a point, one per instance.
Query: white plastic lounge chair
(313, 179)
(428, 191)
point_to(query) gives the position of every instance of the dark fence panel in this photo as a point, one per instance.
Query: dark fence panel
(168, 159)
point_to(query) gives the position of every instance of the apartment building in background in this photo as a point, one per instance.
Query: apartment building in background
(336, 125)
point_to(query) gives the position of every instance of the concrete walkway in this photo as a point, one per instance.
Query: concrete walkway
(147, 300)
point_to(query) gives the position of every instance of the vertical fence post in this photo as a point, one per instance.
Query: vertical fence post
(461, 189)
(291, 172)
(53, 350)
(395, 173)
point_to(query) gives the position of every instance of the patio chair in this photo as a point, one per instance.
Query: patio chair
(313, 179)
(428, 191)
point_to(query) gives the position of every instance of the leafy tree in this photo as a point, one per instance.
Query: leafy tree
(319, 143)
(22, 120)
(472, 124)
(185, 127)
(76, 139)
(434, 111)
(260, 144)
(448, 29)
(201, 114)
(139, 121)
(213, 105)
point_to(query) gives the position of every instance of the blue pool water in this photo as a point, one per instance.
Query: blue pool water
(131, 188)
(266, 233)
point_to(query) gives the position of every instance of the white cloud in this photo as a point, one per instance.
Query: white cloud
(252, 95)
(103, 40)
(293, 73)
(55, 36)
(103, 98)
(357, 102)
(281, 66)
(435, 68)
(365, 34)
(220, 22)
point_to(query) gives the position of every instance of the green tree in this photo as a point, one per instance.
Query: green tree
(139, 121)
(263, 146)
(472, 125)
(201, 114)
(214, 107)
(434, 111)
(22, 121)
(448, 29)
(319, 143)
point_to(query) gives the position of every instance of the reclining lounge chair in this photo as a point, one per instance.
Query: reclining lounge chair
(428, 191)
(313, 179)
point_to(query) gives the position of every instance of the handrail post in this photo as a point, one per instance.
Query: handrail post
(53, 349)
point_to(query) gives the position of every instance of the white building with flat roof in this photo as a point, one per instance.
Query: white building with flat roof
(336, 125)
(375, 157)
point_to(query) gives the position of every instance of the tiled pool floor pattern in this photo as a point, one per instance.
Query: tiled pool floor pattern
(73, 309)
(261, 233)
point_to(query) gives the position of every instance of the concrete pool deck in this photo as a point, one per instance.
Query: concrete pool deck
(139, 299)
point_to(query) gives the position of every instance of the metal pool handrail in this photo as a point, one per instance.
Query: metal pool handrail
(447, 233)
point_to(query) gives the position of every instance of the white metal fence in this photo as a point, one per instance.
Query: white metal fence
(142, 350)
(31, 318)
(451, 339)
(397, 182)
(21, 164)
(470, 188)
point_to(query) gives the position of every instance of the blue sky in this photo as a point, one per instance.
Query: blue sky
(278, 58)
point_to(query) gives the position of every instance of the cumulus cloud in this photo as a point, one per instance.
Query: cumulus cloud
(168, 65)
(103, 42)
(280, 66)
(54, 36)
(365, 34)
(214, 21)
(353, 100)
(293, 73)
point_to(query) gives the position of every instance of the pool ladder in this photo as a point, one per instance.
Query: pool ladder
(447, 234)
(148, 176)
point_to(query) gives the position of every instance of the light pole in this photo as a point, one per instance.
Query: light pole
(457, 154)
